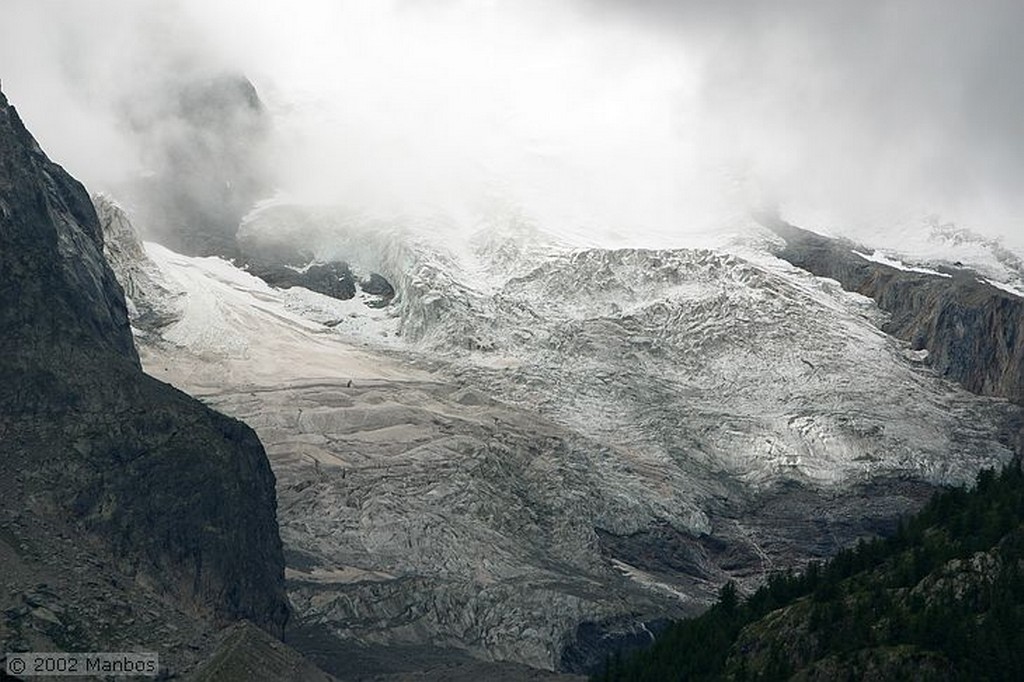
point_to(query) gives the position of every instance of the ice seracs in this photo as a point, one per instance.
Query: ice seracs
(534, 436)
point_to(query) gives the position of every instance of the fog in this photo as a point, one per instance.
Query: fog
(612, 120)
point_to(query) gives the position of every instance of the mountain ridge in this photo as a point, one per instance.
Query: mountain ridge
(170, 501)
(973, 331)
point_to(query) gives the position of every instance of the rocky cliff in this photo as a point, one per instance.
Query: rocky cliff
(56, 287)
(167, 501)
(972, 330)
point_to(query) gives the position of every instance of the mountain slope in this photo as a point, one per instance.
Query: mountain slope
(112, 475)
(939, 600)
(538, 453)
(972, 329)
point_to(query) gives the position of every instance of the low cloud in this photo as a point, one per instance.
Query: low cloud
(648, 119)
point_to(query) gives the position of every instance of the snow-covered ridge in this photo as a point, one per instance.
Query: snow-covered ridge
(882, 258)
(1014, 287)
(927, 241)
(1008, 288)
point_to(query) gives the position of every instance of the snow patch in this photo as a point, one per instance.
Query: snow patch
(879, 257)
(1008, 288)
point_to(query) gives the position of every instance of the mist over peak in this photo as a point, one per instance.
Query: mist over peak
(605, 121)
(550, 319)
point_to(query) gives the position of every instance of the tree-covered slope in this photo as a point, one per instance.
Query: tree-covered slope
(942, 599)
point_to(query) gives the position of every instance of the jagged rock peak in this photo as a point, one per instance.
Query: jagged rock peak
(173, 498)
(58, 290)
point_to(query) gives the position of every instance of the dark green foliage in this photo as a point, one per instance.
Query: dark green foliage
(946, 591)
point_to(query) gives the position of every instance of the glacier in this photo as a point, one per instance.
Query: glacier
(537, 440)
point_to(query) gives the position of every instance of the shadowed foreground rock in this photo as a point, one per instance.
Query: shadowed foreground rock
(165, 499)
(247, 654)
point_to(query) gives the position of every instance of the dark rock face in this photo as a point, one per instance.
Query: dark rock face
(593, 643)
(55, 286)
(334, 279)
(376, 285)
(204, 137)
(290, 245)
(974, 332)
(181, 496)
(660, 548)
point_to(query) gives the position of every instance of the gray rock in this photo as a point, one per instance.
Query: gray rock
(182, 496)
(150, 303)
(45, 615)
(973, 331)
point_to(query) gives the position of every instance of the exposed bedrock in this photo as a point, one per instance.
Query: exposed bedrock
(334, 279)
(181, 499)
(973, 331)
(299, 251)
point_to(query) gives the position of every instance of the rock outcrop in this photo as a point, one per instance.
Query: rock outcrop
(293, 254)
(150, 303)
(174, 500)
(334, 279)
(972, 330)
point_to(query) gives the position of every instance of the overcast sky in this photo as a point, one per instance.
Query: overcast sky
(638, 116)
